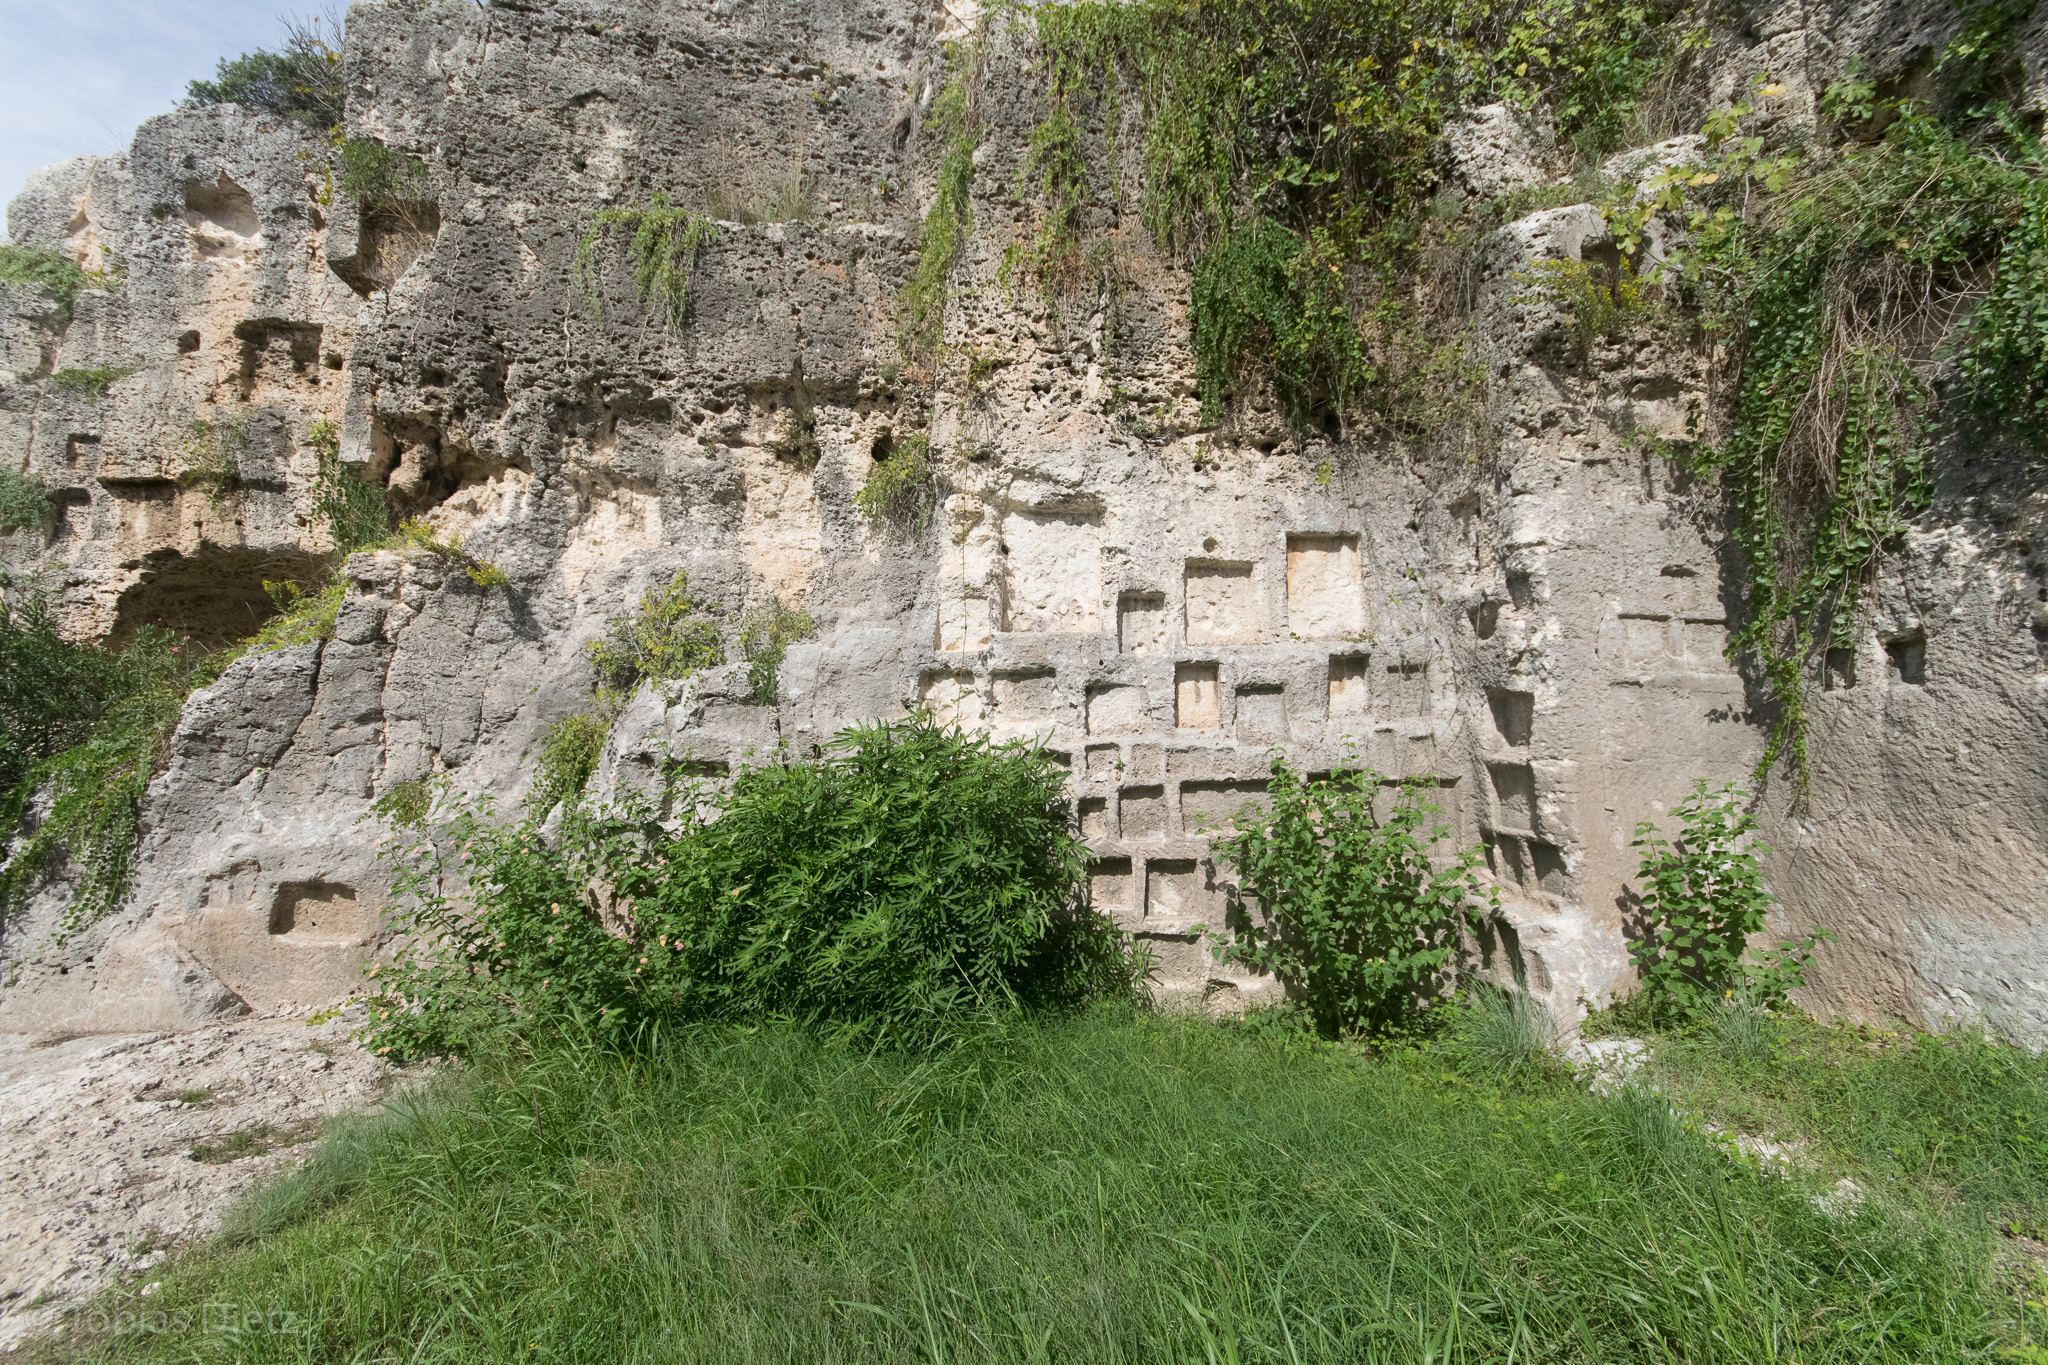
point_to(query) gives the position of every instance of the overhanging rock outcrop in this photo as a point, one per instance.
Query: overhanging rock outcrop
(1537, 628)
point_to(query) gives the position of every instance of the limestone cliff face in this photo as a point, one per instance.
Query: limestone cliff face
(1540, 629)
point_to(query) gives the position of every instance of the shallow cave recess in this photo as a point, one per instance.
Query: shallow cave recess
(421, 464)
(215, 596)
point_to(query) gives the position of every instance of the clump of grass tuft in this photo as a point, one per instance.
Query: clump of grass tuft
(90, 384)
(1502, 1034)
(902, 489)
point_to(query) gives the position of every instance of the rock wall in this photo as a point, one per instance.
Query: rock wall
(1539, 630)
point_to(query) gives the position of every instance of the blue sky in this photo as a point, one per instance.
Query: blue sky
(76, 76)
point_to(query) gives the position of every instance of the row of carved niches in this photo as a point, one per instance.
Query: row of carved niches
(1044, 575)
(1249, 699)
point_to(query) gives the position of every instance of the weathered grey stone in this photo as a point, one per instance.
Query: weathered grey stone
(1158, 601)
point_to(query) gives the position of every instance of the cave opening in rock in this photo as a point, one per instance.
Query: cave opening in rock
(215, 595)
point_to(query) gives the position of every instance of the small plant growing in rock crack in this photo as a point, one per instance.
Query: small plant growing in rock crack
(663, 244)
(1600, 301)
(1703, 895)
(416, 534)
(667, 636)
(45, 266)
(90, 384)
(902, 489)
(213, 458)
(765, 636)
(352, 509)
(405, 805)
(24, 501)
(1345, 907)
(956, 118)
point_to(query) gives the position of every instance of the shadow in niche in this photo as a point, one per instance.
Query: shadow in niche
(215, 595)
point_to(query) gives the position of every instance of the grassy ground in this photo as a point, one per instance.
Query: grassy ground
(1110, 1189)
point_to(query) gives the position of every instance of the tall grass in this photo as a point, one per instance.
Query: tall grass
(1110, 1188)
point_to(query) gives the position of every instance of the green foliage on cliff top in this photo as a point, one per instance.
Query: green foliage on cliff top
(1288, 151)
(302, 83)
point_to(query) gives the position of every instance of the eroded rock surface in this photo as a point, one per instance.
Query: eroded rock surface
(1538, 627)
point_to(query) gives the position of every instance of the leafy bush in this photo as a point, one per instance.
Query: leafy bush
(302, 83)
(664, 639)
(24, 501)
(380, 180)
(88, 725)
(764, 638)
(902, 489)
(1703, 896)
(352, 509)
(45, 266)
(568, 756)
(664, 245)
(1355, 922)
(906, 879)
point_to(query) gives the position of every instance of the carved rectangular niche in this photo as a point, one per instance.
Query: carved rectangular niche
(1109, 884)
(1222, 603)
(1196, 702)
(1350, 692)
(1514, 788)
(1514, 715)
(1213, 807)
(1025, 700)
(1118, 708)
(1052, 572)
(1094, 812)
(1404, 690)
(1261, 713)
(1141, 623)
(1142, 813)
(1324, 598)
(1179, 894)
(952, 698)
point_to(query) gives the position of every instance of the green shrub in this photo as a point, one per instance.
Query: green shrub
(87, 726)
(664, 639)
(352, 509)
(1703, 896)
(908, 878)
(1349, 914)
(45, 266)
(378, 179)
(568, 756)
(765, 637)
(1598, 307)
(302, 83)
(902, 489)
(24, 501)
(90, 384)
(664, 246)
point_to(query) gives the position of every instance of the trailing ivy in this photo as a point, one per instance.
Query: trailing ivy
(1839, 279)
(663, 243)
(956, 119)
